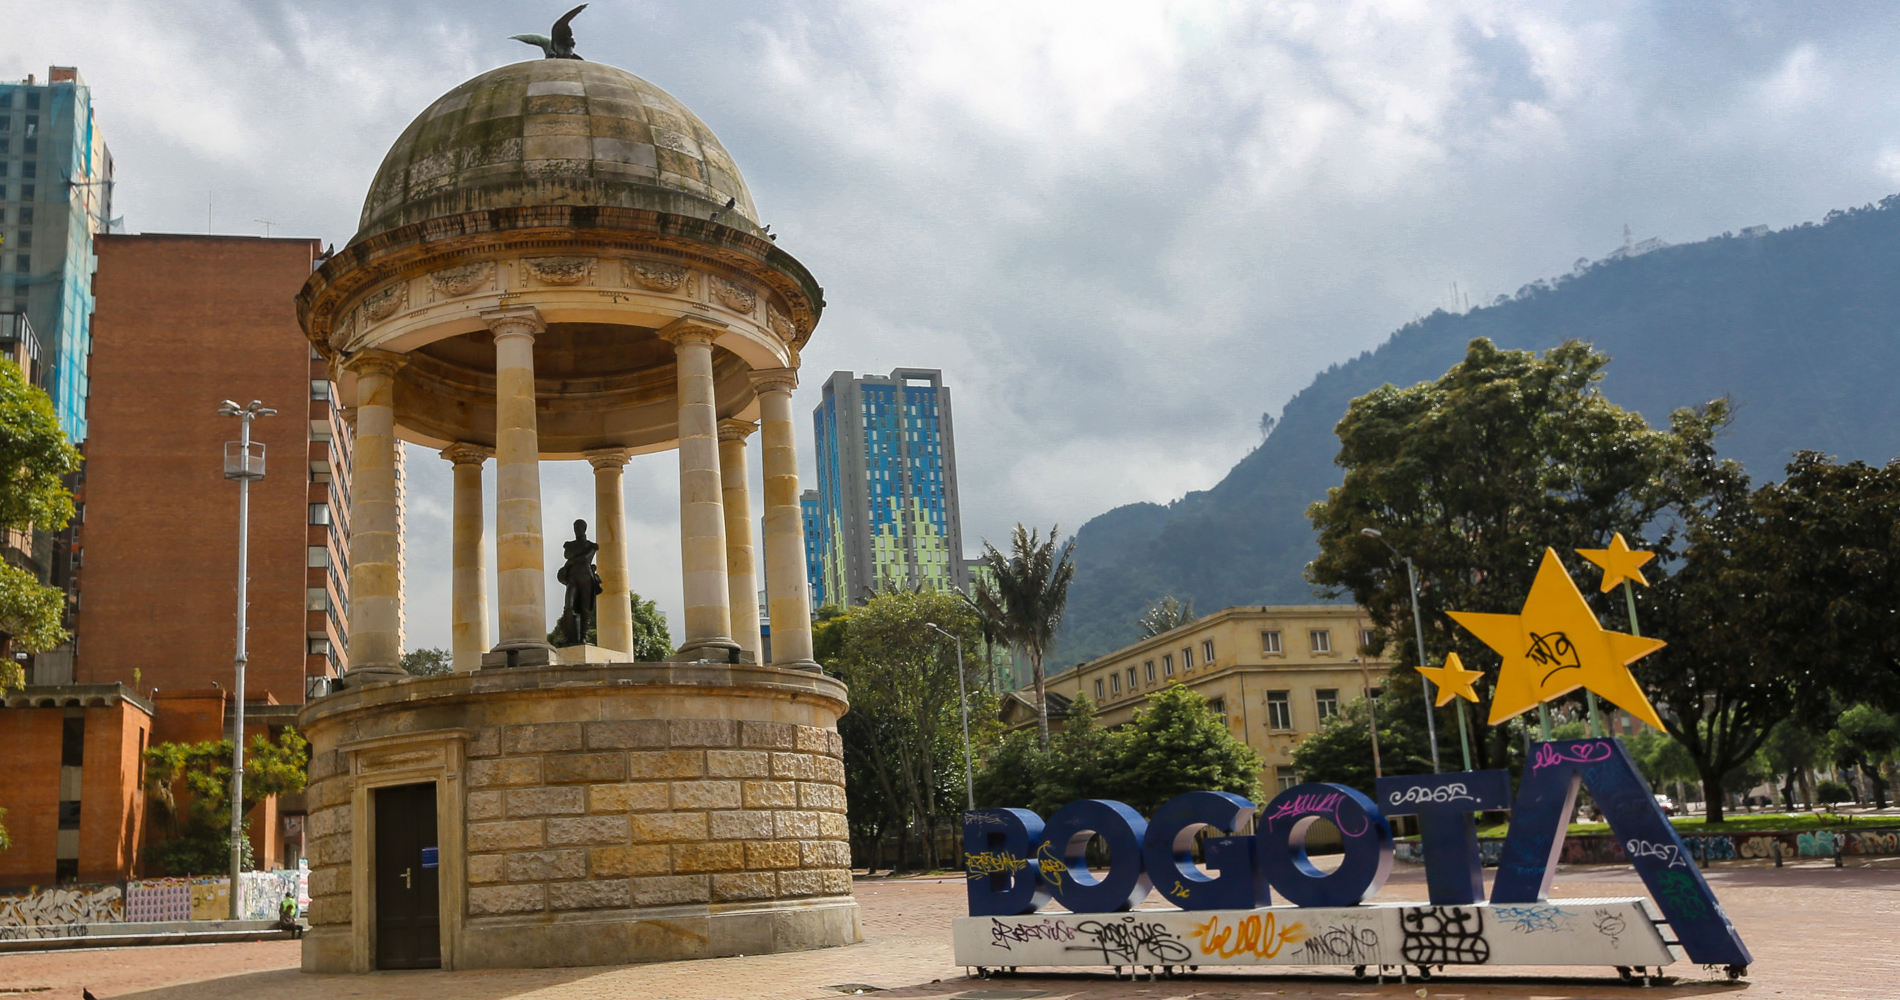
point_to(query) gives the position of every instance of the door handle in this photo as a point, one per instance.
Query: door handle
(406, 882)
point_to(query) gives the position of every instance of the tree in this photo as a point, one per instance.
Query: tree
(904, 681)
(34, 459)
(1023, 597)
(1791, 750)
(1083, 761)
(1165, 615)
(427, 662)
(652, 641)
(1865, 738)
(1472, 476)
(1341, 752)
(30, 614)
(198, 837)
(1178, 743)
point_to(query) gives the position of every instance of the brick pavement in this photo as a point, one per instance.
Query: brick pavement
(1818, 933)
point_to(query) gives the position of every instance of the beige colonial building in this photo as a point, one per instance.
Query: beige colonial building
(1275, 673)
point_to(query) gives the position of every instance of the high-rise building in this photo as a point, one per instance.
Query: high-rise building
(185, 322)
(884, 515)
(55, 193)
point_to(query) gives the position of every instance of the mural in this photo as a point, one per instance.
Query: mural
(1605, 849)
(61, 911)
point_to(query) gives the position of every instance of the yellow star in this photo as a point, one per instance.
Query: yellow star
(1619, 562)
(1555, 646)
(1452, 679)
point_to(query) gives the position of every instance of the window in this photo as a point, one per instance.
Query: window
(318, 558)
(30, 168)
(1115, 683)
(26, 215)
(319, 647)
(319, 388)
(1219, 707)
(1099, 694)
(316, 599)
(1327, 701)
(1187, 658)
(1321, 640)
(319, 513)
(23, 263)
(1167, 664)
(1365, 638)
(1285, 778)
(1207, 651)
(1270, 641)
(1279, 710)
(1150, 665)
(25, 238)
(1131, 678)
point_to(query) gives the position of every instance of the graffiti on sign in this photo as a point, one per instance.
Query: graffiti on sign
(1443, 936)
(1003, 935)
(1130, 941)
(1610, 924)
(1531, 919)
(1257, 935)
(62, 905)
(1342, 944)
(1668, 854)
(985, 863)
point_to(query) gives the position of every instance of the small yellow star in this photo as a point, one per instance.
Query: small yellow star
(1619, 562)
(1453, 680)
(1555, 646)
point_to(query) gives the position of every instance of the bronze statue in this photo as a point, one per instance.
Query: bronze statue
(577, 573)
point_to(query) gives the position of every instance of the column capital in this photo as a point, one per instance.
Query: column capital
(691, 330)
(515, 321)
(774, 379)
(608, 458)
(375, 362)
(464, 453)
(733, 429)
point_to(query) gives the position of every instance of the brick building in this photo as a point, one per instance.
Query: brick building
(182, 323)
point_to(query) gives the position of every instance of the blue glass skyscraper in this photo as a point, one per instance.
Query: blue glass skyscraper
(55, 193)
(884, 515)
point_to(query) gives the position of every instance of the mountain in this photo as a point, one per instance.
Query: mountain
(1800, 327)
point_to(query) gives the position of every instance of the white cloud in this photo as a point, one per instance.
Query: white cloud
(1123, 229)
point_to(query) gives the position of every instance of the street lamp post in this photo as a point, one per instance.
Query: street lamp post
(241, 465)
(1418, 631)
(1372, 716)
(963, 699)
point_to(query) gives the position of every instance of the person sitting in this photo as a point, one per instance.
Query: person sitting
(287, 916)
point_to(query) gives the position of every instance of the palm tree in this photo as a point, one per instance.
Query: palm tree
(1022, 600)
(1165, 615)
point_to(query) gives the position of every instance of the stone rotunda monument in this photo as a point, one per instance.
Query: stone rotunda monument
(559, 261)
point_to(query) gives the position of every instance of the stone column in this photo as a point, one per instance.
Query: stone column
(785, 585)
(468, 579)
(742, 574)
(708, 623)
(375, 641)
(521, 573)
(614, 613)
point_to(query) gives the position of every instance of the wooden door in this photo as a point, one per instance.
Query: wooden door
(408, 922)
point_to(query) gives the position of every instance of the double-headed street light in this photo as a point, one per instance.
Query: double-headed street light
(244, 462)
(963, 699)
(1418, 627)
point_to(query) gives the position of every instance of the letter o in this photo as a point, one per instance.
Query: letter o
(1366, 836)
(1061, 856)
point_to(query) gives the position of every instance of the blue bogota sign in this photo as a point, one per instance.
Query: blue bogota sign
(1017, 863)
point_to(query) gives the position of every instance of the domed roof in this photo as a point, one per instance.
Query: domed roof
(555, 132)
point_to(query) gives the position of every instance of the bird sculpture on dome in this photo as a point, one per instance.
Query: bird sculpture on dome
(561, 46)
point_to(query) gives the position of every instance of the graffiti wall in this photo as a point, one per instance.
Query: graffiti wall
(1603, 849)
(57, 911)
(1597, 932)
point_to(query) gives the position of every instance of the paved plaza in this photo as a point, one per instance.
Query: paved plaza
(1816, 931)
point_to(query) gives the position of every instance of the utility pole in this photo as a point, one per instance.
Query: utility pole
(241, 465)
(963, 699)
(1418, 626)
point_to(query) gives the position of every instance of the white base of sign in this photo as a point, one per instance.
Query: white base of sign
(1602, 932)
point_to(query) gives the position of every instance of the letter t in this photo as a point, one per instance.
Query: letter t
(1444, 804)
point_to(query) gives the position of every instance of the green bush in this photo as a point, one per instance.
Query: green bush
(1830, 791)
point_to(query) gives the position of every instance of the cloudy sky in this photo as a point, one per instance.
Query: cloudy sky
(1124, 230)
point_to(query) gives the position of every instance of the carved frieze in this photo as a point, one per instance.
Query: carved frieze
(462, 279)
(382, 304)
(659, 277)
(560, 270)
(735, 297)
(780, 323)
